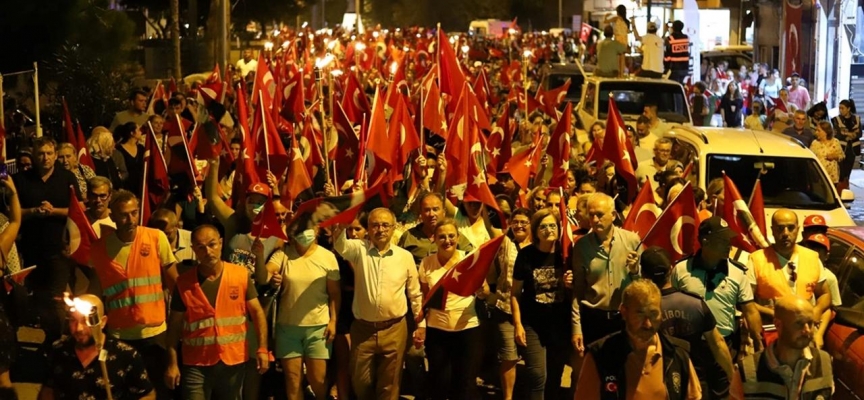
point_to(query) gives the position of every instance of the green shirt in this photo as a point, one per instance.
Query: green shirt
(608, 51)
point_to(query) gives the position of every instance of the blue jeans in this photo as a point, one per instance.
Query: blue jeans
(219, 381)
(547, 352)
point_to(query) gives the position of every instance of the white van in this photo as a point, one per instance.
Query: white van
(791, 175)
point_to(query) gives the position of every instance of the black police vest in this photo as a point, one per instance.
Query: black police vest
(761, 382)
(677, 54)
(610, 357)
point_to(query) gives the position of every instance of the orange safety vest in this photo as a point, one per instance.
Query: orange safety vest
(215, 334)
(771, 281)
(133, 292)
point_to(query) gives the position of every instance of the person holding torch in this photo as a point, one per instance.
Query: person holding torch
(86, 362)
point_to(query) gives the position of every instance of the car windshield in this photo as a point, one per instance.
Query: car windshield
(787, 182)
(575, 89)
(631, 97)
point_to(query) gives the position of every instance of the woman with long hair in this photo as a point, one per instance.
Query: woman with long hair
(540, 302)
(453, 332)
(129, 137)
(828, 150)
(108, 161)
(731, 105)
(620, 24)
(847, 126)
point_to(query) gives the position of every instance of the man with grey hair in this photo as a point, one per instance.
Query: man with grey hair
(648, 168)
(791, 367)
(99, 191)
(639, 361)
(800, 129)
(604, 262)
(379, 333)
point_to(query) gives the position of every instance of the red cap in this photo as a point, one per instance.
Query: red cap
(815, 220)
(259, 188)
(821, 240)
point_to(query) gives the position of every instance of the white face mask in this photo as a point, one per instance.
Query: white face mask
(305, 238)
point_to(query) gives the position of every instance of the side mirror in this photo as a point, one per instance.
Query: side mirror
(847, 197)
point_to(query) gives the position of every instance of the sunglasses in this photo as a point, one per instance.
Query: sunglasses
(793, 273)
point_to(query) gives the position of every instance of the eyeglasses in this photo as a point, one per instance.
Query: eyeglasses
(793, 274)
(101, 196)
(520, 223)
(549, 227)
(381, 226)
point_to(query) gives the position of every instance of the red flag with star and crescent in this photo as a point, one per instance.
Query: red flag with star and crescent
(615, 148)
(559, 149)
(81, 233)
(644, 212)
(676, 230)
(737, 214)
(466, 276)
(266, 225)
(499, 144)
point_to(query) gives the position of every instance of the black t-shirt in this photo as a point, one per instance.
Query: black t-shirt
(70, 380)
(211, 290)
(544, 298)
(42, 237)
(686, 316)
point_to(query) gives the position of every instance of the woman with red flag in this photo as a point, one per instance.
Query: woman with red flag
(453, 326)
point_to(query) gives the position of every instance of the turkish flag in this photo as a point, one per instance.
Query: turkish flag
(213, 89)
(380, 143)
(757, 207)
(481, 89)
(270, 154)
(264, 82)
(466, 276)
(478, 188)
(644, 212)
(67, 125)
(157, 182)
(9, 281)
(293, 105)
(313, 136)
(499, 144)
(552, 98)
(451, 79)
(354, 102)
(83, 152)
(434, 118)
(615, 148)
(402, 128)
(298, 179)
(559, 149)
(736, 213)
(348, 149)
(459, 141)
(266, 225)
(525, 164)
(181, 159)
(357, 201)
(81, 234)
(676, 230)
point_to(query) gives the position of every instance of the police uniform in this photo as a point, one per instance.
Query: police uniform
(677, 57)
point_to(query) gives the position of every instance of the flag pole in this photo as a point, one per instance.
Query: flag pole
(264, 125)
(36, 98)
(324, 131)
(185, 145)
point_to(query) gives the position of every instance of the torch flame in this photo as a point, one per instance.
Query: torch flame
(77, 305)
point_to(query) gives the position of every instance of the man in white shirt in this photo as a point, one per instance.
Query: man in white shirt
(652, 52)
(247, 64)
(647, 169)
(379, 333)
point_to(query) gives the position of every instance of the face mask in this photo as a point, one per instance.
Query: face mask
(305, 238)
(256, 208)
(430, 171)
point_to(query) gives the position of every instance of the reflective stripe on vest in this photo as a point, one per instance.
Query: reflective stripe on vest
(139, 299)
(133, 282)
(210, 340)
(680, 50)
(208, 322)
(133, 291)
(214, 332)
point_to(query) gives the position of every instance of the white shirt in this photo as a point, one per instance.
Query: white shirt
(459, 313)
(246, 67)
(97, 225)
(184, 251)
(381, 280)
(652, 53)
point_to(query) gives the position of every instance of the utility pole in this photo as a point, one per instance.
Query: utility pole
(175, 38)
(560, 12)
(222, 44)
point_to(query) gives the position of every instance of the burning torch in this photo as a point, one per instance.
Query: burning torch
(90, 307)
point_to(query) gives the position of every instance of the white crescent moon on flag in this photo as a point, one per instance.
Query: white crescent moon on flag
(676, 231)
(649, 208)
(210, 93)
(74, 236)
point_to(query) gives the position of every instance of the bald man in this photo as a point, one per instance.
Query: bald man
(786, 269)
(74, 368)
(790, 367)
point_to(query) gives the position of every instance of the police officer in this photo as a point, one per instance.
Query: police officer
(677, 57)
(638, 362)
(766, 374)
(687, 317)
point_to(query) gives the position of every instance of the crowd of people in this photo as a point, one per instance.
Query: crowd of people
(197, 303)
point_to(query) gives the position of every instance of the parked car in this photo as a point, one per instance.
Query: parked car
(844, 340)
(631, 94)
